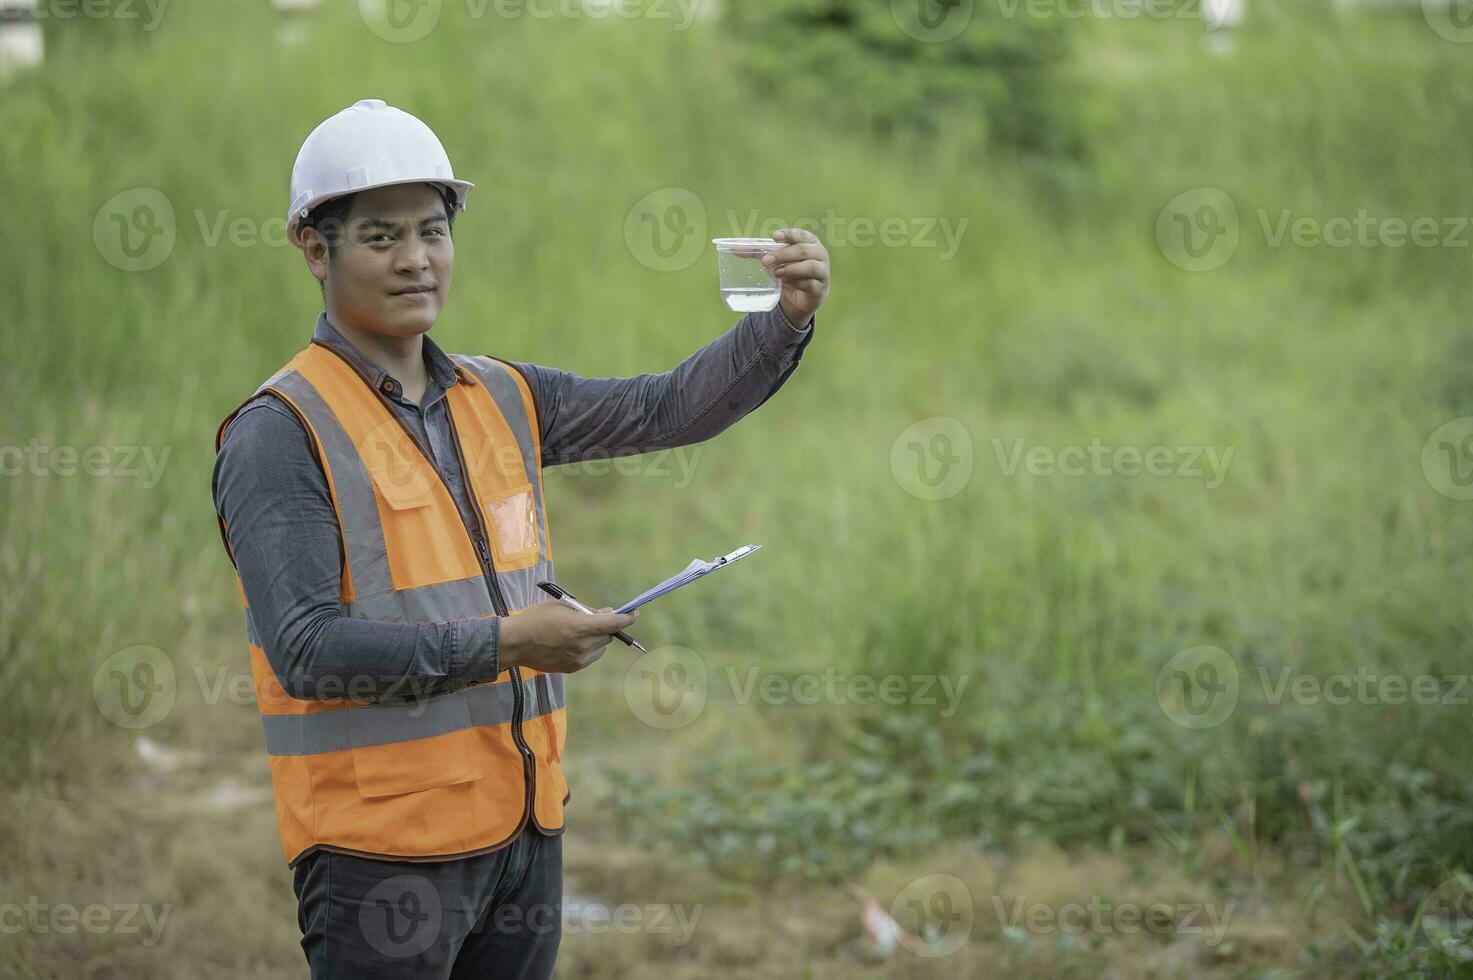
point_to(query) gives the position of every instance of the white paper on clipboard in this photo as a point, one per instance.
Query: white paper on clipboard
(696, 569)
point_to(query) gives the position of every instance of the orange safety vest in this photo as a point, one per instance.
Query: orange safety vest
(453, 774)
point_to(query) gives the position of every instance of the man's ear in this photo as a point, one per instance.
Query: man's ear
(314, 250)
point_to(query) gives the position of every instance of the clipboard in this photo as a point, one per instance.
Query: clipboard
(696, 569)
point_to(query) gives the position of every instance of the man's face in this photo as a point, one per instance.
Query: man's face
(391, 272)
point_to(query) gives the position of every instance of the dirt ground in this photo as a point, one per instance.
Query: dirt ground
(197, 842)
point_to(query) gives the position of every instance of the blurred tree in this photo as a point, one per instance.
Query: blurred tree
(919, 65)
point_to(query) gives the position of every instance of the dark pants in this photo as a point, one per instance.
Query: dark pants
(497, 915)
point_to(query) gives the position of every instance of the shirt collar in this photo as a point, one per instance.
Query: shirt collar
(442, 370)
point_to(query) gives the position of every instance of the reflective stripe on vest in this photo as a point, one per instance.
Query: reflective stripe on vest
(434, 777)
(384, 724)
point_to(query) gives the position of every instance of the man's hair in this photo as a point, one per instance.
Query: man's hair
(329, 218)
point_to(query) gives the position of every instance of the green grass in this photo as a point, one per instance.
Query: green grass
(1058, 322)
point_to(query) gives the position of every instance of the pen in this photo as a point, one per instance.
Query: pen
(566, 598)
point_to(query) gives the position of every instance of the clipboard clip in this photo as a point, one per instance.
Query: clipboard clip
(741, 552)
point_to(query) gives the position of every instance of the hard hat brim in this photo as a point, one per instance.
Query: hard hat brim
(460, 188)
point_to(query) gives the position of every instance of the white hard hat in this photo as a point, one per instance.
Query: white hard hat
(368, 144)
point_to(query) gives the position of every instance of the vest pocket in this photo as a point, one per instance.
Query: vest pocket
(402, 486)
(513, 517)
(396, 748)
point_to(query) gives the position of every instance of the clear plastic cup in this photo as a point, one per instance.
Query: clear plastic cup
(746, 285)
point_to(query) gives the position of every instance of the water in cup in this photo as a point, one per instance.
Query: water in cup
(746, 285)
(749, 299)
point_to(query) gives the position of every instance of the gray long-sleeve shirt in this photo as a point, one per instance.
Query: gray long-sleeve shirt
(283, 532)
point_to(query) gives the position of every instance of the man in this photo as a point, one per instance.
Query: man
(382, 502)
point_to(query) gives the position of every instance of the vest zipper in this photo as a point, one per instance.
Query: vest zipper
(488, 569)
(529, 760)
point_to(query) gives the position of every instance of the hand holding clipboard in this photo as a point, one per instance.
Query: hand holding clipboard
(696, 569)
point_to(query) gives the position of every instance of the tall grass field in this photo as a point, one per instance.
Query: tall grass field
(1115, 525)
